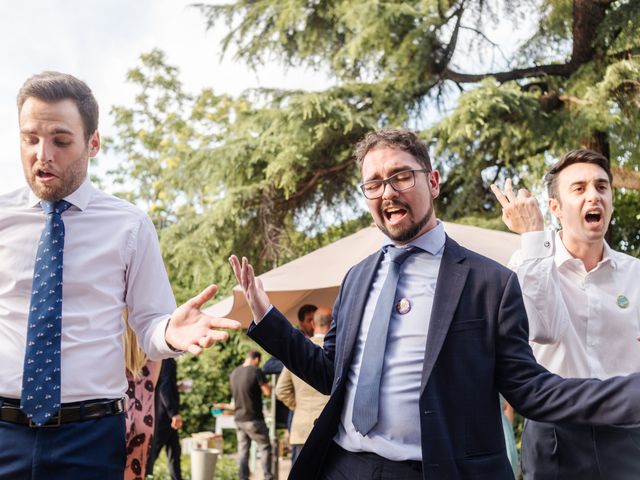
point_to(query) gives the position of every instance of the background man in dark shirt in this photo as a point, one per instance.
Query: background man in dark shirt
(248, 383)
(168, 420)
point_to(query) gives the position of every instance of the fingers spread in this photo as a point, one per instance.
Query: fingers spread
(213, 336)
(523, 193)
(195, 349)
(499, 195)
(204, 296)
(215, 322)
(508, 190)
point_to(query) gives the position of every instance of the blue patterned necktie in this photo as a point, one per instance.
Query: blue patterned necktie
(41, 374)
(367, 398)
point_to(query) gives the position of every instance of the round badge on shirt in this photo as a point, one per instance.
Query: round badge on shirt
(622, 301)
(403, 306)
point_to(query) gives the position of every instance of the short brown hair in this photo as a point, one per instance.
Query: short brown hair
(54, 87)
(399, 138)
(581, 155)
(253, 354)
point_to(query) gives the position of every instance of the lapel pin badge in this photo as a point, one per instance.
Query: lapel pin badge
(622, 301)
(403, 306)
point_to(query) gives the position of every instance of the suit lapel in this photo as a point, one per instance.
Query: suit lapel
(353, 314)
(451, 280)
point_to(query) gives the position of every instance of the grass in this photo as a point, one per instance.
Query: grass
(226, 468)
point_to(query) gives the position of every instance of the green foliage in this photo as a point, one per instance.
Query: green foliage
(625, 224)
(209, 373)
(515, 126)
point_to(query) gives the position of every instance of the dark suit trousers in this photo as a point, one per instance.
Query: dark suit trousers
(565, 452)
(165, 436)
(344, 465)
(87, 450)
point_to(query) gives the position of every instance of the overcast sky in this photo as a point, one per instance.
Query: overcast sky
(98, 41)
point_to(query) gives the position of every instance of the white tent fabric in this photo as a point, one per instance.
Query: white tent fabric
(315, 278)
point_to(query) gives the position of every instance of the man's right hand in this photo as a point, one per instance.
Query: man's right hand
(252, 287)
(520, 213)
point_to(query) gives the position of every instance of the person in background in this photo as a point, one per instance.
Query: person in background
(305, 401)
(305, 319)
(583, 303)
(142, 377)
(168, 420)
(248, 384)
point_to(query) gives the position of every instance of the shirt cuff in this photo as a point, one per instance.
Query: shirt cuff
(256, 321)
(158, 340)
(538, 244)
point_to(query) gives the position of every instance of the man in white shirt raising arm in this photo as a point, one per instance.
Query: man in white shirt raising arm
(61, 354)
(583, 303)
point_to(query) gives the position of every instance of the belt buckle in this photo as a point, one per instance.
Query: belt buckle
(52, 423)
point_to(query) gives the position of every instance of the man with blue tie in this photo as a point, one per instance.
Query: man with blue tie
(73, 259)
(425, 335)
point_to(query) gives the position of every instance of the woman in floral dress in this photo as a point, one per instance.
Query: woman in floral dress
(142, 375)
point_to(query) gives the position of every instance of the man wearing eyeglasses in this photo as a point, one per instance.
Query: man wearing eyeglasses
(425, 336)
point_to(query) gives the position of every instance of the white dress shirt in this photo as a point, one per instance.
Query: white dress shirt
(578, 321)
(397, 436)
(112, 262)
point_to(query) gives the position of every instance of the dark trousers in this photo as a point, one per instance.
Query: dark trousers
(344, 465)
(87, 450)
(566, 452)
(166, 437)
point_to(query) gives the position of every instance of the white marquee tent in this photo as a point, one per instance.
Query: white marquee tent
(315, 278)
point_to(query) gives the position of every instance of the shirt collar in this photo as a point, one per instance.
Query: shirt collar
(563, 256)
(80, 198)
(431, 241)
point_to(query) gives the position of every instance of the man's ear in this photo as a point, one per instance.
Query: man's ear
(434, 183)
(555, 208)
(94, 144)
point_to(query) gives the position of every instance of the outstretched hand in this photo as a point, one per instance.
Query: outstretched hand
(254, 292)
(520, 213)
(191, 330)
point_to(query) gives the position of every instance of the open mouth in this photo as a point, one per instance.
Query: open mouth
(593, 216)
(44, 175)
(394, 214)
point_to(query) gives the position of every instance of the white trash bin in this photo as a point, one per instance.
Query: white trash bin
(203, 463)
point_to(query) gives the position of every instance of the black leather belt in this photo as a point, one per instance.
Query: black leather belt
(69, 412)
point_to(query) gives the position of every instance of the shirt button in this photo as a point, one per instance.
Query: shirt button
(547, 244)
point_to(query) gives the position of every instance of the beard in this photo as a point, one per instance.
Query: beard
(67, 181)
(403, 235)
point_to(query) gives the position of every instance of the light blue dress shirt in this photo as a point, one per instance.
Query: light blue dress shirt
(397, 436)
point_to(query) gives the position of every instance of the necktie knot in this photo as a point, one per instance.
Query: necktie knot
(399, 255)
(56, 207)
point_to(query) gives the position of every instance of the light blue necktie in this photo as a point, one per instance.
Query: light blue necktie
(367, 398)
(41, 374)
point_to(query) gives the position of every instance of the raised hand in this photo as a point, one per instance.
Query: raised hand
(254, 293)
(520, 213)
(191, 330)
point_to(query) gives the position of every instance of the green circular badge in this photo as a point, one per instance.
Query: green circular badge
(622, 301)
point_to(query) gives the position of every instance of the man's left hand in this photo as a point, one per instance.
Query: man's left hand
(176, 422)
(191, 330)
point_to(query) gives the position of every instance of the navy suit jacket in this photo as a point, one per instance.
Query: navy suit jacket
(477, 346)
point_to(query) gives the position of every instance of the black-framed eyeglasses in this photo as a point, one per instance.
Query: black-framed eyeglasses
(400, 182)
